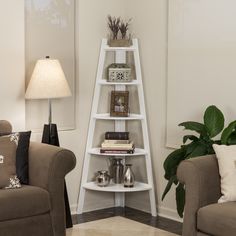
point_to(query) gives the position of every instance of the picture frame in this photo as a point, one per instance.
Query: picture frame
(119, 103)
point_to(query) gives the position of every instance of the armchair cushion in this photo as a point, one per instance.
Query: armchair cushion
(23, 202)
(217, 219)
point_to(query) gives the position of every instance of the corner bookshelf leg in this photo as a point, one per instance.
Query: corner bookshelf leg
(152, 202)
(81, 201)
(119, 199)
(145, 129)
(83, 181)
(91, 128)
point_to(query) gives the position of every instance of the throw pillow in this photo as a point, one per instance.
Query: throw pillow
(22, 156)
(226, 156)
(8, 146)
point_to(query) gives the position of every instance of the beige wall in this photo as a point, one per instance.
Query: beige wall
(55, 21)
(12, 62)
(201, 55)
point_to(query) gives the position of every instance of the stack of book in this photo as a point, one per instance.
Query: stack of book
(117, 143)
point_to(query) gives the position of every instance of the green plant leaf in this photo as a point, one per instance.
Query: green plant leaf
(190, 137)
(180, 199)
(172, 161)
(227, 132)
(232, 139)
(195, 126)
(168, 186)
(213, 120)
(189, 148)
(210, 149)
(200, 149)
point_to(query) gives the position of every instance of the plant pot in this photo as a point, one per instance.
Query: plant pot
(120, 42)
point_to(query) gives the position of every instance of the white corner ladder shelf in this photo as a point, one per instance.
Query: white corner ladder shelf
(120, 123)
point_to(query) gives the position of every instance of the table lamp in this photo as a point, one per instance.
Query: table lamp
(48, 82)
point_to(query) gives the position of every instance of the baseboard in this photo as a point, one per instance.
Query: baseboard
(161, 211)
(97, 208)
(73, 209)
(169, 214)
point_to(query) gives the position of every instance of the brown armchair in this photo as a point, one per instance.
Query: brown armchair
(38, 209)
(203, 215)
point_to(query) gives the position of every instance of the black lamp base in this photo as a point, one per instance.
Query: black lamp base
(50, 136)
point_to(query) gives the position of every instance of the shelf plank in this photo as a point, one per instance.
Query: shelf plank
(118, 188)
(115, 49)
(104, 82)
(137, 152)
(106, 116)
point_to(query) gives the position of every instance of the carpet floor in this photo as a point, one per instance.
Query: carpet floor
(115, 226)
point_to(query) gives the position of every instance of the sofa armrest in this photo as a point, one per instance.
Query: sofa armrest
(48, 166)
(48, 163)
(202, 184)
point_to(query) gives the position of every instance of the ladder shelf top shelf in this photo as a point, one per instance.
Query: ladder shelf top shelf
(130, 48)
(106, 116)
(137, 152)
(118, 188)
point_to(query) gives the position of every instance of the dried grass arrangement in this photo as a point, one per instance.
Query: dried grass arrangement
(119, 36)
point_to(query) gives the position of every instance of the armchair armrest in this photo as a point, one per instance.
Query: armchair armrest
(202, 184)
(48, 166)
(48, 163)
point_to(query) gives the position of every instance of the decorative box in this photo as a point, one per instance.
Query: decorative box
(119, 72)
(120, 42)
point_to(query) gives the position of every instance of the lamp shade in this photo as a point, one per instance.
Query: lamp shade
(47, 81)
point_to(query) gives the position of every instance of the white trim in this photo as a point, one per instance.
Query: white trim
(165, 212)
(169, 214)
(73, 209)
(172, 146)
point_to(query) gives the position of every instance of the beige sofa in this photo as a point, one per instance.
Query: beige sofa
(38, 208)
(203, 215)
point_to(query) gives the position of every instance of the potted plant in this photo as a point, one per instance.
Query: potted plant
(196, 145)
(118, 32)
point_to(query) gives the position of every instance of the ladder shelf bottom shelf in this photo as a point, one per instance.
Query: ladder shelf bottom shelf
(118, 188)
